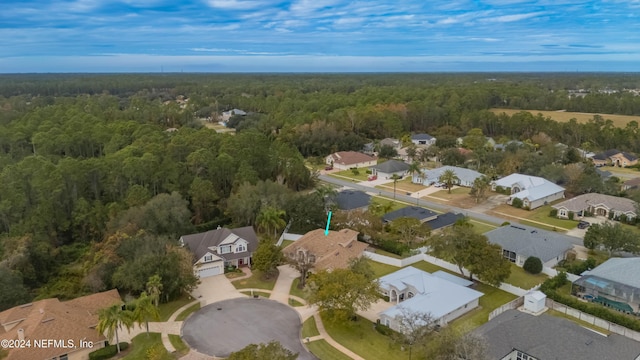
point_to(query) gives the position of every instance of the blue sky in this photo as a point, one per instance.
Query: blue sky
(318, 35)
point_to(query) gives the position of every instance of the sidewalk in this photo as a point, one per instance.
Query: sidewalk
(324, 335)
(283, 284)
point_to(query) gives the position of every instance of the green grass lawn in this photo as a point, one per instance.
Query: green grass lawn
(541, 226)
(492, 299)
(309, 328)
(481, 228)
(191, 309)
(361, 338)
(381, 269)
(362, 176)
(142, 344)
(386, 253)
(286, 243)
(256, 292)
(167, 309)
(324, 351)
(383, 201)
(541, 214)
(523, 279)
(295, 291)
(256, 281)
(181, 348)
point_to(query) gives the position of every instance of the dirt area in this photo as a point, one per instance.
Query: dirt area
(490, 203)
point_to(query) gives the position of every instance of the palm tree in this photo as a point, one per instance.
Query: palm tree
(154, 288)
(414, 167)
(271, 218)
(144, 310)
(113, 318)
(327, 194)
(395, 178)
(449, 177)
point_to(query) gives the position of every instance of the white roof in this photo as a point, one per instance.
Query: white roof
(466, 175)
(435, 296)
(536, 295)
(230, 239)
(533, 187)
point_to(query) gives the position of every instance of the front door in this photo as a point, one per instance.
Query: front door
(240, 262)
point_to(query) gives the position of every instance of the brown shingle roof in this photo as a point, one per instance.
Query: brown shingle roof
(350, 157)
(52, 319)
(332, 251)
(635, 182)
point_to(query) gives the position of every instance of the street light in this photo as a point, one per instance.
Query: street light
(418, 198)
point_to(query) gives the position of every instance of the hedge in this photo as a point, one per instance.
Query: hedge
(107, 352)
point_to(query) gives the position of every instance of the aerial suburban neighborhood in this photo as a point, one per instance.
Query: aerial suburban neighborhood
(366, 222)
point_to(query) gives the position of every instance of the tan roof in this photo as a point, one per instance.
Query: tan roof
(332, 251)
(584, 201)
(350, 157)
(632, 182)
(52, 319)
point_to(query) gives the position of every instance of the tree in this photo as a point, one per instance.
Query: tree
(154, 288)
(342, 292)
(13, 291)
(409, 230)
(269, 219)
(612, 237)
(271, 351)
(414, 168)
(395, 178)
(449, 178)
(380, 209)
(387, 152)
(454, 343)
(479, 188)
(143, 309)
(303, 263)
(112, 319)
(267, 257)
(474, 140)
(532, 265)
(413, 328)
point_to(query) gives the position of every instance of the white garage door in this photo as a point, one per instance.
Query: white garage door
(210, 272)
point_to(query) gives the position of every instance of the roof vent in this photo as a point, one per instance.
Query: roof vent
(534, 231)
(219, 227)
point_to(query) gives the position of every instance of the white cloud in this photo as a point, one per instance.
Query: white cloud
(235, 4)
(514, 17)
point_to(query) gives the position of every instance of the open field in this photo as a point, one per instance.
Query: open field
(565, 116)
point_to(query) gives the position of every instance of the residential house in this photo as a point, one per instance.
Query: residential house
(394, 143)
(598, 204)
(53, 319)
(387, 169)
(513, 143)
(443, 296)
(345, 160)
(490, 143)
(226, 115)
(369, 148)
(444, 220)
(614, 157)
(332, 251)
(352, 200)
(423, 139)
(430, 176)
(519, 242)
(585, 154)
(604, 174)
(614, 283)
(515, 335)
(532, 190)
(631, 184)
(216, 249)
(415, 212)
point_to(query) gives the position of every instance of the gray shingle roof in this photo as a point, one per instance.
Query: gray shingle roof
(546, 337)
(391, 166)
(528, 241)
(421, 137)
(199, 243)
(622, 270)
(352, 199)
(444, 220)
(583, 201)
(409, 211)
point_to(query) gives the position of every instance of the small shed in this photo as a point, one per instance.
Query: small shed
(534, 301)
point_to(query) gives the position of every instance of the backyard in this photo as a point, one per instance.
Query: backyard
(523, 279)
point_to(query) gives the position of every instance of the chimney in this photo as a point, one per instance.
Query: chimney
(21, 334)
(219, 227)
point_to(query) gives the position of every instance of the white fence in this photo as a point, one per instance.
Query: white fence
(511, 305)
(604, 324)
(553, 272)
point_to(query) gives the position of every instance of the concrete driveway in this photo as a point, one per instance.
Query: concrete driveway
(215, 288)
(227, 326)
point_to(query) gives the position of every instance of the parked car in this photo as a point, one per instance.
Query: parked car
(583, 224)
(328, 167)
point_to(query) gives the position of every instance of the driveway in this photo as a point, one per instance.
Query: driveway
(227, 326)
(215, 288)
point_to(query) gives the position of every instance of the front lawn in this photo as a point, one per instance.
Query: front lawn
(523, 279)
(362, 175)
(362, 338)
(142, 346)
(541, 214)
(324, 351)
(481, 228)
(395, 205)
(296, 291)
(309, 328)
(167, 309)
(191, 309)
(256, 292)
(178, 344)
(256, 281)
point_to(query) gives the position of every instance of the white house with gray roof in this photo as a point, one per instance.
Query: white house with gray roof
(520, 242)
(597, 204)
(387, 169)
(423, 139)
(417, 291)
(429, 176)
(534, 191)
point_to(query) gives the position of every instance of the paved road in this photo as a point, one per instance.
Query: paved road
(429, 204)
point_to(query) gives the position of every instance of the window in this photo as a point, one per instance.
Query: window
(410, 295)
(312, 259)
(208, 258)
(225, 249)
(509, 255)
(562, 212)
(64, 357)
(241, 248)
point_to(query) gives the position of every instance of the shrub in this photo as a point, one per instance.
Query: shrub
(355, 171)
(553, 213)
(107, 352)
(516, 202)
(506, 223)
(385, 298)
(571, 215)
(532, 265)
(384, 330)
(393, 247)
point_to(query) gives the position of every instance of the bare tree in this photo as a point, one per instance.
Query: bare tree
(413, 328)
(453, 343)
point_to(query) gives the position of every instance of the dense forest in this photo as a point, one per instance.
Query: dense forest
(101, 174)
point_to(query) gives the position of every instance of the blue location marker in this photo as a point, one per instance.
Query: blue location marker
(326, 231)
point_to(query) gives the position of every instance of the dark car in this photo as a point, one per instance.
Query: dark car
(583, 224)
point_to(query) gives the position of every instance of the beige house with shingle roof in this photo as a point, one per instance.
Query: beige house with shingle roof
(332, 251)
(597, 204)
(345, 160)
(72, 320)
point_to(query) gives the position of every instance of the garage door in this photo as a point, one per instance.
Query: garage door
(210, 272)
